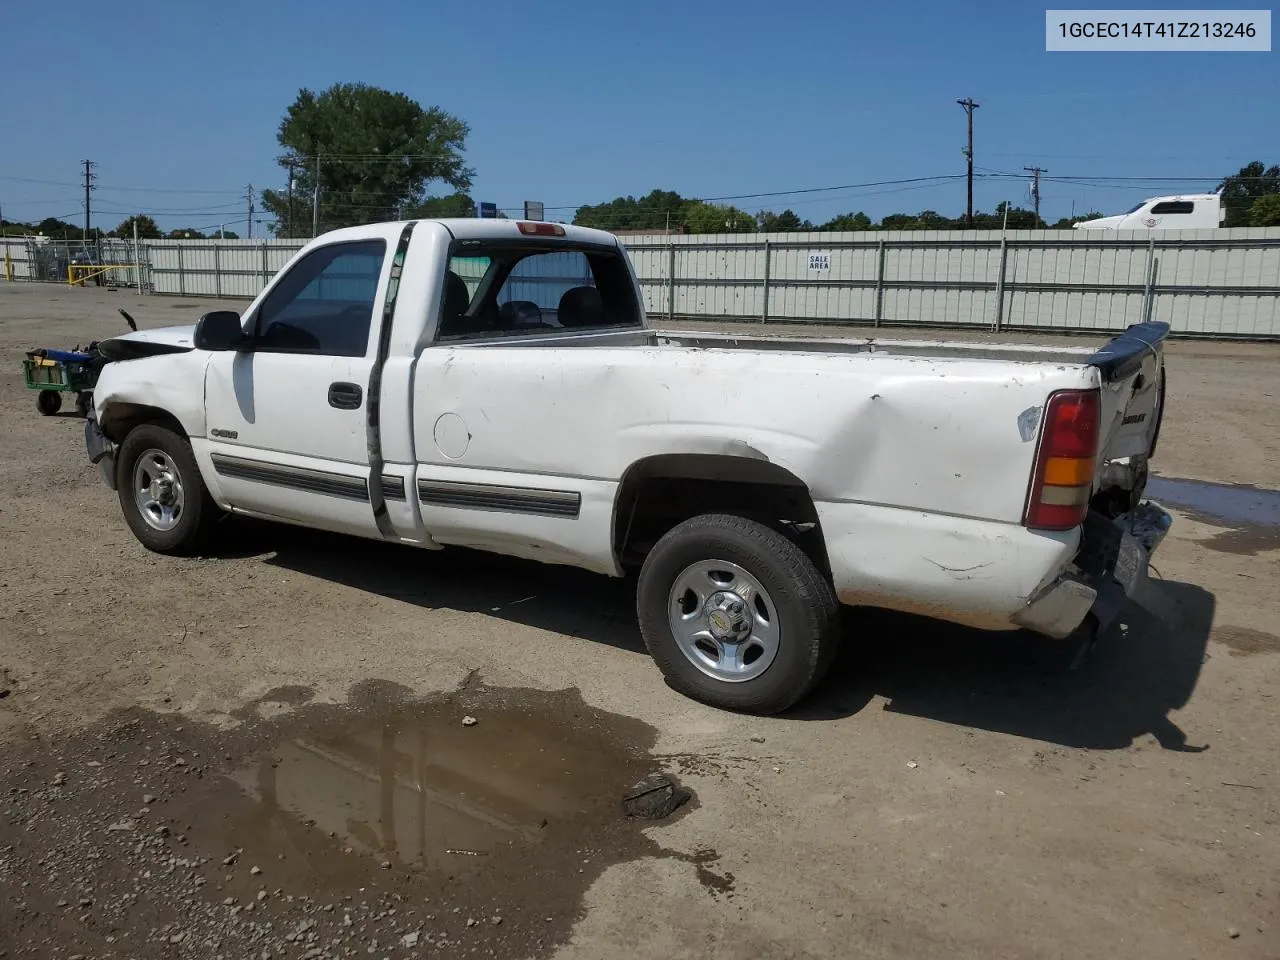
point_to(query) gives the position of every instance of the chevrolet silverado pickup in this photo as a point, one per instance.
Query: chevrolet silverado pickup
(494, 385)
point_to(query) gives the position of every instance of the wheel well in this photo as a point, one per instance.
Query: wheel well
(123, 417)
(660, 492)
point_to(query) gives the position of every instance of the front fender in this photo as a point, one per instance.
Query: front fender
(171, 384)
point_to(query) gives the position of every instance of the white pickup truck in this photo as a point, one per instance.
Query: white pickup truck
(494, 385)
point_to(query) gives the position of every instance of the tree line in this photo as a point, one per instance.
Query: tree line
(1251, 198)
(666, 209)
(57, 229)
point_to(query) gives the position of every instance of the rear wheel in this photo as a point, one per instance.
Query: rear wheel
(736, 615)
(161, 492)
(48, 402)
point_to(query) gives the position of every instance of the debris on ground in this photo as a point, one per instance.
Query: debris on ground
(654, 797)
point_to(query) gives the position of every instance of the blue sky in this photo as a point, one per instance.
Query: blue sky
(574, 103)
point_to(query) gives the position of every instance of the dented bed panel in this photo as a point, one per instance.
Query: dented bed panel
(974, 572)
(941, 435)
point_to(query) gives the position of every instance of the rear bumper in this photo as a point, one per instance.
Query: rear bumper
(1113, 562)
(101, 450)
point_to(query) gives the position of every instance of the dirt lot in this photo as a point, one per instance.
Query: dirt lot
(262, 752)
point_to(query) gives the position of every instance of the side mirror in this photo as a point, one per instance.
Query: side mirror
(218, 330)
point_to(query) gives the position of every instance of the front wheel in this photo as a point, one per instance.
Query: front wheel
(736, 615)
(161, 491)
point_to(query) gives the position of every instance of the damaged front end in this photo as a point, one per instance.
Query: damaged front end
(101, 449)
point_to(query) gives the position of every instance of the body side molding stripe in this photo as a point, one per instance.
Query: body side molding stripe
(298, 478)
(489, 496)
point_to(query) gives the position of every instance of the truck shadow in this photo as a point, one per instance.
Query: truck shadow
(1015, 683)
(560, 599)
(1145, 666)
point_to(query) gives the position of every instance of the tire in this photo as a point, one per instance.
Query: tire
(791, 614)
(164, 453)
(84, 403)
(48, 402)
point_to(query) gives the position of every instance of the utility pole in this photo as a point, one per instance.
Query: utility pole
(315, 202)
(88, 189)
(969, 107)
(1035, 186)
(289, 230)
(248, 195)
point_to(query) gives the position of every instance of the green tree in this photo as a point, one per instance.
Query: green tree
(1242, 189)
(656, 210)
(848, 221)
(185, 233)
(788, 221)
(1265, 211)
(699, 217)
(1066, 223)
(1019, 219)
(147, 229)
(898, 221)
(457, 204)
(376, 151)
(61, 230)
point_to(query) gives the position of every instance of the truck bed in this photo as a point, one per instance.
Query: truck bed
(1119, 352)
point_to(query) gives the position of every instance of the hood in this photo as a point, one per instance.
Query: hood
(1102, 223)
(148, 343)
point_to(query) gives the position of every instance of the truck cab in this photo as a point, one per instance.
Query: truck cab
(1192, 211)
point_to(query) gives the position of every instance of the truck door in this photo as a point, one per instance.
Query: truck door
(288, 413)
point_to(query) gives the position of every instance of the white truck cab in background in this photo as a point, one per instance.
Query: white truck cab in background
(1190, 211)
(495, 385)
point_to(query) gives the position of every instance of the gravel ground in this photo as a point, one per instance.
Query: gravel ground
(293, 703)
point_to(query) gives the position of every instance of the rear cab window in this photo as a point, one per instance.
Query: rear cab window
(503, 289)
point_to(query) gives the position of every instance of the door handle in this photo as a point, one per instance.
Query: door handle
(345, 396)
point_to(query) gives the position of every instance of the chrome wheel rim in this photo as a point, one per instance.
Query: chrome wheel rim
(724, 621)
(157, 490)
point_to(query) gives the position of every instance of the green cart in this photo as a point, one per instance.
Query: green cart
(55, 372)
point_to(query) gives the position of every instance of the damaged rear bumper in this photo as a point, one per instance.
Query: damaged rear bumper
(101, 450)
(1113, 560)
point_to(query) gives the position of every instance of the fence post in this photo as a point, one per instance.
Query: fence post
(880, 257)
(182, 273)
(137, 257)
(217, 272)
(1004, 255)
(264, 267)
(671, 280)
(764, 300)
(1148, 279)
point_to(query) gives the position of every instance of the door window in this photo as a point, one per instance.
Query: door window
(324, 304)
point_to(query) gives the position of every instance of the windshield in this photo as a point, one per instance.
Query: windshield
(1136, 207)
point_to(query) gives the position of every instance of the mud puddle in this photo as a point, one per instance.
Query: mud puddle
(382, 825)
(1251, 513)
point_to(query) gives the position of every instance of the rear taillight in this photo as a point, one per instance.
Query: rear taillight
(1063, 478)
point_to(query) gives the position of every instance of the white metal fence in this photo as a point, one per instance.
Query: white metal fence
(1203, 282)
